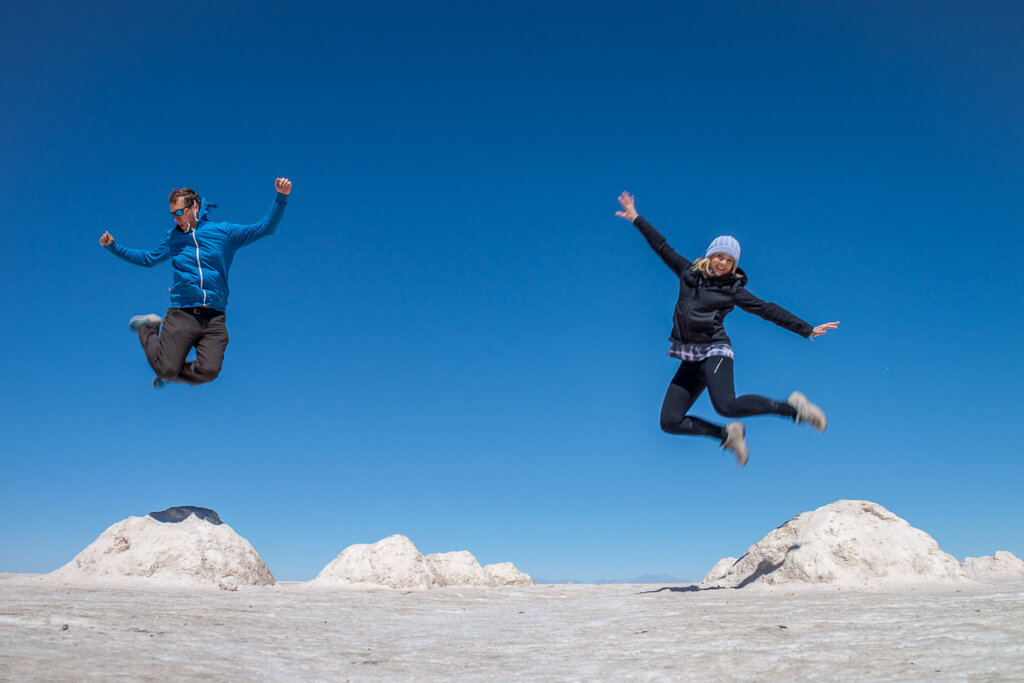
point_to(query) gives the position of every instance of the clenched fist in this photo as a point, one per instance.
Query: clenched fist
(106, 239)
(283, 185)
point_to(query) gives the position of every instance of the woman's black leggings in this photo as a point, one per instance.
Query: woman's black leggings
(715, 375)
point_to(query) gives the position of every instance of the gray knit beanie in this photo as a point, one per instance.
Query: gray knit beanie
(725, 244)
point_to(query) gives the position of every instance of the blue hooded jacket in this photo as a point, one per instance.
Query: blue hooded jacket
(201, 257)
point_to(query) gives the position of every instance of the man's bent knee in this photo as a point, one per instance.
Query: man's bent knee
(204, 373)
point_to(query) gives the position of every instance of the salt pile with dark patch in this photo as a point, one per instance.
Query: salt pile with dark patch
(854, 544)
(394, 562)
(1003, 566)
(192, 551)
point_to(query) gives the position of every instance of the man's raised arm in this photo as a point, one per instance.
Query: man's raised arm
(247, 234)
(139, 257)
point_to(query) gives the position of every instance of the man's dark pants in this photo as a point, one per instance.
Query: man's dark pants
(167, 347)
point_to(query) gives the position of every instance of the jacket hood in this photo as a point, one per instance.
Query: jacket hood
(204, 210)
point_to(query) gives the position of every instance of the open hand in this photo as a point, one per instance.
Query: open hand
(628, 207)
(283, 185)
(106, 239)
(823, 328)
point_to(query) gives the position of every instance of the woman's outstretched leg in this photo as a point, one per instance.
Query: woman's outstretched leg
(717, 374)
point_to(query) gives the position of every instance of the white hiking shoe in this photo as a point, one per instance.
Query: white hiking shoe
(807, 411)
(148, 319)
(734, 441)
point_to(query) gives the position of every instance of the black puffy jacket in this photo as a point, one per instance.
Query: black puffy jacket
(705, 301)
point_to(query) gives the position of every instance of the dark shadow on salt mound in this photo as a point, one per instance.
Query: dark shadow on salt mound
(853, 544)
(182, 512)
(766, 567)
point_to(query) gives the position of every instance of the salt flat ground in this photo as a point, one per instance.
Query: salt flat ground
(560, 632)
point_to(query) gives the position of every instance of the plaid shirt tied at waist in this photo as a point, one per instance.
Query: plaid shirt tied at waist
(694, 353)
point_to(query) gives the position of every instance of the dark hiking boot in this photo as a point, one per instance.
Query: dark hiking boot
(807, 411)
(735, 441)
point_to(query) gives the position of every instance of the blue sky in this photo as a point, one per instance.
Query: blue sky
(451, 335)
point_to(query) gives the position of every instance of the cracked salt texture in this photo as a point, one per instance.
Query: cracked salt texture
(543, 633)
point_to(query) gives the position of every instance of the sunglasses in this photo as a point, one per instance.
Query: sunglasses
(180, 212)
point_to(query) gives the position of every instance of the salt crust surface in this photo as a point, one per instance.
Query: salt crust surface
(394, 562)
(544, 633)
(851, 544)
(192, 551)
(1003, 566)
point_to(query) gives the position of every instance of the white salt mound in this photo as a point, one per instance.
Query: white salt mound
(393, 562)
(1003, 566)
(506, 574)
(720, 570)
(458, 568)
(846, 544)
(192, 551)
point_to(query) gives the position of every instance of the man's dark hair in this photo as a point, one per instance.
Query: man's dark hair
(189, 195)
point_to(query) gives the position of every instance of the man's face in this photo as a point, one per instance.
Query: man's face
(188, 212)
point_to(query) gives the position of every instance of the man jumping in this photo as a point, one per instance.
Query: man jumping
(201, 252)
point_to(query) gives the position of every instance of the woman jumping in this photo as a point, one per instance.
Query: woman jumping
(708, 290)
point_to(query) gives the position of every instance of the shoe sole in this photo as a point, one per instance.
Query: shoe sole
(137, 321)
(744, 455)
(802, 405)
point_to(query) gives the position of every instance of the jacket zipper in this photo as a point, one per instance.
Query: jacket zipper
(689, 306)
(199, 263)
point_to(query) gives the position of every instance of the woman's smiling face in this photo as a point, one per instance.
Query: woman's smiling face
(722, 264)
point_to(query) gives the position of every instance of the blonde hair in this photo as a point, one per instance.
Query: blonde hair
(703, 266)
